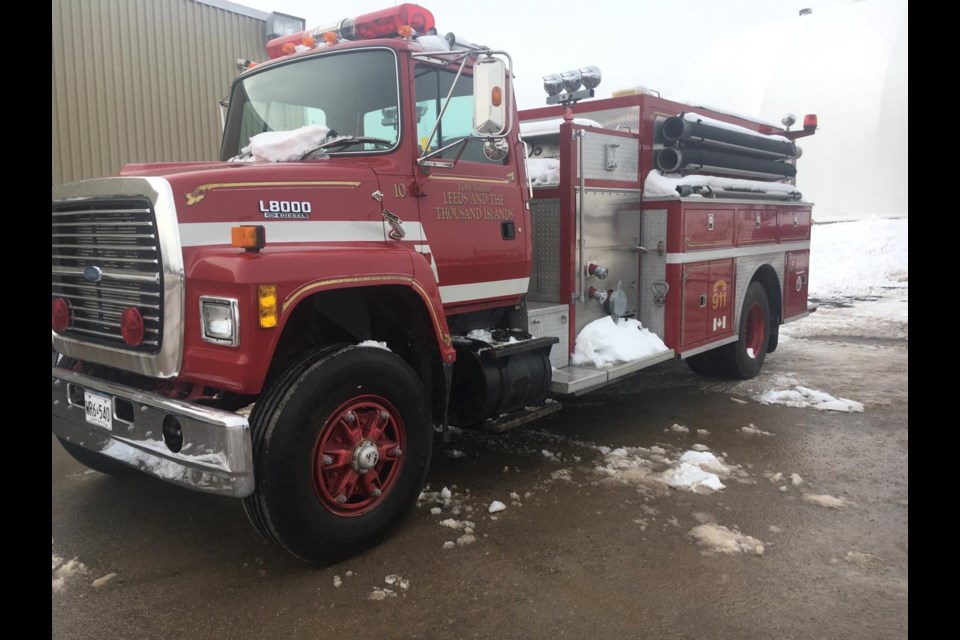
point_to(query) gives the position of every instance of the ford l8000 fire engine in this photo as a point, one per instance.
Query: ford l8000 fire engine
(387, 246)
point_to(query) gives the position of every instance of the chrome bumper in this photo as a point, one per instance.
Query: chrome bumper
(216, 456)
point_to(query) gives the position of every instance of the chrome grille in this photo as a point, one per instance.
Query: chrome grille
(119, 237)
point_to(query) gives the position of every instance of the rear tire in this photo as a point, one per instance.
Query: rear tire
(743, 359)
(341, 447)
(96, 461)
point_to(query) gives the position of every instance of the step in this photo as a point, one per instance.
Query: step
(575, 380)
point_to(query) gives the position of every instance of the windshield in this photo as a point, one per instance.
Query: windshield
(354, 93)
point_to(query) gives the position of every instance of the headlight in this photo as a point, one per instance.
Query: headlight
(219, 321)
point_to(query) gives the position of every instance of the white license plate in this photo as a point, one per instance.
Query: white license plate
(99, 410)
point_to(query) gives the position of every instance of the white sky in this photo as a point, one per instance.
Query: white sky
(634, 42)
(847, 63)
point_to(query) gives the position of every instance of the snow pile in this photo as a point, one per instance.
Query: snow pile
(604, 342)
(99, 582)
(398, 580)
(63, 571)
(861, 258)
(824, 500)
(433, 43)
(543, 171)
(862, 560)
(804, 397)
(496, 506)
(285, 146)
(691, 477)
(715, 538)
(659, 185)
(696, 471)
(484, 335)
(751, 430)
(546, 127)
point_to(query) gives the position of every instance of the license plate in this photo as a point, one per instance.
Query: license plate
(99, 410)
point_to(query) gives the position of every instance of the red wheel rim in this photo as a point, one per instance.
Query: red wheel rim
(756, 330)
(358, 455)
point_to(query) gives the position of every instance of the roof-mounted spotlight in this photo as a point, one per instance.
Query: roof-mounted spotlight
(571, 80)
(590, 76)
(564, 88)
(552, 84)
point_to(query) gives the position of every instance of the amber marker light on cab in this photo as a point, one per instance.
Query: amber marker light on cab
(249, 237)
(267, 297)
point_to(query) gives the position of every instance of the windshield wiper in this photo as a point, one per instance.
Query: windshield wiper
(345, 141)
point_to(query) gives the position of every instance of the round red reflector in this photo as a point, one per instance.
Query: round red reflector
(61, 315)
(496, 96)
(131, 326)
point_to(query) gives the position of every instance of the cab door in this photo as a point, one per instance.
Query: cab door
(472, 213)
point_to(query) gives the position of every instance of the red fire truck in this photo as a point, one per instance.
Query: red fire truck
(407, 272)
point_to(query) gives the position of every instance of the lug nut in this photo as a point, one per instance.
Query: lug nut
(341, 498)
(384, 415)
(327, 460)
(376, 493)
(396, 453)
(351, 416)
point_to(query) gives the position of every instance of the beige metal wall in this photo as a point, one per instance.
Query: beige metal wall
(139, 81)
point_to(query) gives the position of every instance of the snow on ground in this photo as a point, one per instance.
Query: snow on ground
(604, 342)
(649, 469)
(823, 500)
(64, 571)
(858, 276)
(103, 580)
(717, 539)
(803, 397)
(855, 259)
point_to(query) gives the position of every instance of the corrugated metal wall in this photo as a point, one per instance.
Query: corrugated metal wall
(139, 81)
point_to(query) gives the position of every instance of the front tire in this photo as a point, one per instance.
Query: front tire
(342, 445)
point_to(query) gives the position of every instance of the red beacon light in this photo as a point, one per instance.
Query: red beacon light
(402, 20)
(810, 121)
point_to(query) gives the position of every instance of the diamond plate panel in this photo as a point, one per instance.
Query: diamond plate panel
(594, 157)
(552, 322)
(746, 268)
(653, 268)
(545, 269)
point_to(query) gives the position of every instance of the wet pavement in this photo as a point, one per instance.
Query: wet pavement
(576, 553)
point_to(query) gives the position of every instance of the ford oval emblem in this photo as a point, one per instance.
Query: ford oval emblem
(92, 274)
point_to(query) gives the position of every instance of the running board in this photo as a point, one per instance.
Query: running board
(520, 417)
(578, 380)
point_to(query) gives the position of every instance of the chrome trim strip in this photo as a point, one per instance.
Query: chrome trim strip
(166, 363)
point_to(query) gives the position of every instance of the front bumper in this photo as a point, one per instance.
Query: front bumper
(216, 456)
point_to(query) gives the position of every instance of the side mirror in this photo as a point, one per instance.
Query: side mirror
(490, 97)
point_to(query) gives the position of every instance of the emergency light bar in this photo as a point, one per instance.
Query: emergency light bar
(402, 20)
